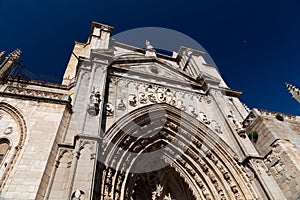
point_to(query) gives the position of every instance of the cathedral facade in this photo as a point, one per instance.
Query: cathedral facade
(132, 124)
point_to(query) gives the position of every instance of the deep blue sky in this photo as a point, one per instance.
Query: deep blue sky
(255, 44)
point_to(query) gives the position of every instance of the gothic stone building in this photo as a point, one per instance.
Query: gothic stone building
(132, 124)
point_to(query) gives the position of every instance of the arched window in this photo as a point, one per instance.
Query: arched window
(4, 147)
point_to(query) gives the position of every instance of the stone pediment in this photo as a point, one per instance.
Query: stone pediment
(159, 71)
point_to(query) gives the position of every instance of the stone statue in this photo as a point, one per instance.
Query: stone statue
(109, 109)
(149, 46)
(94, 104)
(238, 125)
(120, 103)
(150, 51)
(2, 54)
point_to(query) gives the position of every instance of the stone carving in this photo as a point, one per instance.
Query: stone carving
(77, 195)
(149, 46)
(2, 53)
(202, 117)
(34, 93)
(238, 125)
(132, 100)
(151, 94)
(273, 161)
(205, 98)
(109, 109)
(216, 127)
(181, 105)
(171, 99)
(142, 98)
(15, 55)
(161, 95)
(150, 51)
(192, 111)
(9, 130)
(172, 126)
(152, 98)
(1, 115)
(94, 104)
(120, 104)
(157, 193)
(167, 197)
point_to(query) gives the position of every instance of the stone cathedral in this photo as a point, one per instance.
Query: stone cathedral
(129, 123)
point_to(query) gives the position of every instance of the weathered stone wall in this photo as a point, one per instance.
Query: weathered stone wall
(42, 122)
(278, 142)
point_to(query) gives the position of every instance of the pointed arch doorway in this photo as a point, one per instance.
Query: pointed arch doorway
(159, 152)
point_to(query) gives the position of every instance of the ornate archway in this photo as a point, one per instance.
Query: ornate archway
(159, 152)
(15, 132)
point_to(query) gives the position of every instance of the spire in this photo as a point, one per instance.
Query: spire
(2, 54)
(8, 63)
(295, 92)
(15, 55)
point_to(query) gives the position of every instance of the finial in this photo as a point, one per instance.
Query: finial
(149, 46)
(15, 55)
(150, 51)
(295, 92)
(2, 54)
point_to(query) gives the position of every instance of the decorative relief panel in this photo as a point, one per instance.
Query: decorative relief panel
(35, 93)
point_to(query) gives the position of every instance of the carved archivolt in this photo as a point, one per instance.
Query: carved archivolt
(22, 130)
(202, 160)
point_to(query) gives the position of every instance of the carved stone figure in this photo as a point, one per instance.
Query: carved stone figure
(152, 98)
(132, 100)
(9, 130)
(142, 98)
(161, 95)
(109, 109)
(150, 51)
(171, 99)
(157, 193)
(121, 105)
(149, 46)
(215, 126)
(94, 104)
(181, 105)
(192, 111)
(202, 117)
(238, 125)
